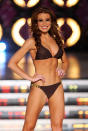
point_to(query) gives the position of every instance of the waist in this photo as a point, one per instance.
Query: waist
(45, 65)
(50, 78)
(47, 69)
(37, 85)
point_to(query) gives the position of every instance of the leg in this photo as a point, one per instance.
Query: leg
(56, 107)
(34, 106)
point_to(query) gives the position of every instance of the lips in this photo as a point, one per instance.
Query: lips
(44, 27)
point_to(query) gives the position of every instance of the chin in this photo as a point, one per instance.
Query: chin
(45, 31)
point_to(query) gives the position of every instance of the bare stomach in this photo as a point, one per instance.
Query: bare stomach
(48, 71)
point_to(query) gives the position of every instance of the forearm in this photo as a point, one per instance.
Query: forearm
(65, 66)
(19, 71)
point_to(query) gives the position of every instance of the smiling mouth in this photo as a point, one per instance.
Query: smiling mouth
(44, 27)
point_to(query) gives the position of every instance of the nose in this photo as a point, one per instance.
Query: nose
(44, 22)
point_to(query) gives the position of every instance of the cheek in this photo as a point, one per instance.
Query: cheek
(49, 23)
(39, 24)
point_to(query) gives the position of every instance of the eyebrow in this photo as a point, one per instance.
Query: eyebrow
(45, 18)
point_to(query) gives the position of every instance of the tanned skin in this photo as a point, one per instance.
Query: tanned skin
(47, 72)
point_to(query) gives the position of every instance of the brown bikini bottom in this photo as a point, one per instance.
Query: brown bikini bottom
(48, 90)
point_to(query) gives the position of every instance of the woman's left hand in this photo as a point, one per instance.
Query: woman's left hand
(61, 72)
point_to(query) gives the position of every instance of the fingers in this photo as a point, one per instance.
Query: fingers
(38, 77)
(41, 77)
(61, 72)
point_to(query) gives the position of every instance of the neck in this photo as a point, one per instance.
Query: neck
(45, 35)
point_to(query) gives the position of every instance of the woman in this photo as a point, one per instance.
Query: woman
(45, 47)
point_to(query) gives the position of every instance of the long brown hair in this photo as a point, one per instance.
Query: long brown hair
(54, 32)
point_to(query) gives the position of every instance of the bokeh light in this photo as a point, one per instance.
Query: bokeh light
(1, 32)
(59, 2)
(2, 60)
(32, 3)
(15, 32)
(74, 68)
(68, 3)
(23, 3)
(71, 3)
(2, 46)
(76, 31)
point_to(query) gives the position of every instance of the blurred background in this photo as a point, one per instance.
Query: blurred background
(15, 19)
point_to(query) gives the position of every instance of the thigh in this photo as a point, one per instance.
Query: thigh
(35, 102)
(56, 104)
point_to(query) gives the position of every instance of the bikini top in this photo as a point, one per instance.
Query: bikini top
(44, 53)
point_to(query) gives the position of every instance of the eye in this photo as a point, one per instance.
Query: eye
(40, 20)
(47, 19)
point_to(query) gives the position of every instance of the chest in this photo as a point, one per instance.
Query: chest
(50, 49)
(51, 46)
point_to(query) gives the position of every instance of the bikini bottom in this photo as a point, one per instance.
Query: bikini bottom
(48, 90)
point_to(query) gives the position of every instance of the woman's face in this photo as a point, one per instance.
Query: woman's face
(44, 22)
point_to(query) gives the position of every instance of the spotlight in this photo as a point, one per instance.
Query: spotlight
(59, 2)
(76, 31)
(23, 3)
(2, 59)
(74, 70)
(80, 126)
(15, 31)
(67, 3)
(32, 3)
(1, 32)
(71, 3)
(20, 3)
(2, 46)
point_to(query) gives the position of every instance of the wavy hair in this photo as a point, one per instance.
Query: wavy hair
(54, 32)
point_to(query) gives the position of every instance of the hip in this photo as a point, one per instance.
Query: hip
(49, 80)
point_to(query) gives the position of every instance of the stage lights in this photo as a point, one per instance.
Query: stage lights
(15, 32)
(72, 40)
(20, 3)
(2, 59)
(1, 32)
(68, 3)
(82, 101)
(71, 3)
(23, 3)
(32, 3)
(59, 2)
(2, 46)
(76, 31)
(84, 126)
(74, 68)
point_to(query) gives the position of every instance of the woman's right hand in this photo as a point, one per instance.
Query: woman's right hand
(37, 77)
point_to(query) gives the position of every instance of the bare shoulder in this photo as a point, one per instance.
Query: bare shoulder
(29, 43)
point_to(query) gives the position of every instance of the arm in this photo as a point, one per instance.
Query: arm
(13, 63)
(64, 66)
(65, 63)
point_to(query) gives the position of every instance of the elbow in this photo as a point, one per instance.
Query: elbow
(67, 65)
(10, 65)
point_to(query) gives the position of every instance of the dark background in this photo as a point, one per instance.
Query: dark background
(10, 12)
